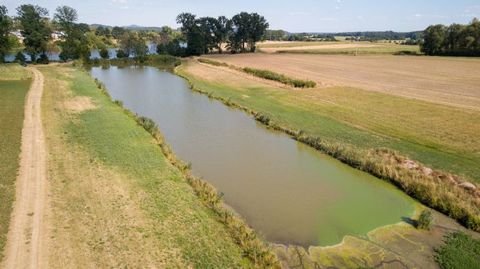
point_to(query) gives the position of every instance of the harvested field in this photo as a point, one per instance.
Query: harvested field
(316, 46)
(451, 81)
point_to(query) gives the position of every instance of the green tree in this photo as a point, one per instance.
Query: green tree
(20, 58)
(257, 27)
(132, 44)
(74, 45)
(192, 32)
(5, 27)
(434, 39)
(117, 32)
(35, 30)
(104, 53)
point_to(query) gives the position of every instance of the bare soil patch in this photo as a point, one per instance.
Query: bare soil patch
(79, 104)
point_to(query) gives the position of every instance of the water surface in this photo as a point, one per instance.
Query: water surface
(287, 191)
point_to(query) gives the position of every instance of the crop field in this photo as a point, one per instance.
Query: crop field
(450, 81)
(425, 131)
(14, 85)
(344, 47)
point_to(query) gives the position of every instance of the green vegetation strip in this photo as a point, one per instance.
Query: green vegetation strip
(12, 102)
(265, 74)
(253, 247)
(460, 251)
(436, 189)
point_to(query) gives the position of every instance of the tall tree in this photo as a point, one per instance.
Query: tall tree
(257, 27)
(192, 32)
(240, 31)
(132, 44)
(5, 27)
(35, 30)
(75, 43)
(434, 39)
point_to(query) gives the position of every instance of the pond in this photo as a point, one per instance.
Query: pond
(287, 191)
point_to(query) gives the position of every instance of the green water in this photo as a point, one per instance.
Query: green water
(288, 192)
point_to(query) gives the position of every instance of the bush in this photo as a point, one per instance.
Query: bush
(20, 58)
(267, 74)
(104, 53)
(424, 222)
(121, 54)
(43, 59)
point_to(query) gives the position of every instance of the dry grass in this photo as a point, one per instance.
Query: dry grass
(452, 81)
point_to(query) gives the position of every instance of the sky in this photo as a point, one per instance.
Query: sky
(292, 16)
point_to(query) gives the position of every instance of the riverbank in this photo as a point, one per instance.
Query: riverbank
(286, 110)
(115, 194)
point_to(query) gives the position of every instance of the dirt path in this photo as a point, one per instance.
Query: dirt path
(26, 234)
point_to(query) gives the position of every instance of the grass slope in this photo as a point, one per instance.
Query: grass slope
(460, 251)
(105, 168)
(14, 85)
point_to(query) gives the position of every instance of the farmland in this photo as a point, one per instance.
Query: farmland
(450, 81)
(357, 48)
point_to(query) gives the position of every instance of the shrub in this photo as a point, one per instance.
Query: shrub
(267, 74)
(424, 221)
(121, 54)
(147, 124)
(43, 59)
(20, 58)
(104, 53)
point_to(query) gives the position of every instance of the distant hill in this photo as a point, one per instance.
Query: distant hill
(133, 27)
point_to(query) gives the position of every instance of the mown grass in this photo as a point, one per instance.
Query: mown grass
(355, 146)
(184, 224)
(460, 251)
(13, 90)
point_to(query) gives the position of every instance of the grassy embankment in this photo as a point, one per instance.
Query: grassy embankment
(460, 252)
(117, 198)
(14, 84)
(352, 130)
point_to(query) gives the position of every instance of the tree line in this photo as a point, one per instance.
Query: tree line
(453, 40)
(75, 40)
(207, 34)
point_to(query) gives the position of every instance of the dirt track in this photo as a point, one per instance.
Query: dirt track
(27, 227)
